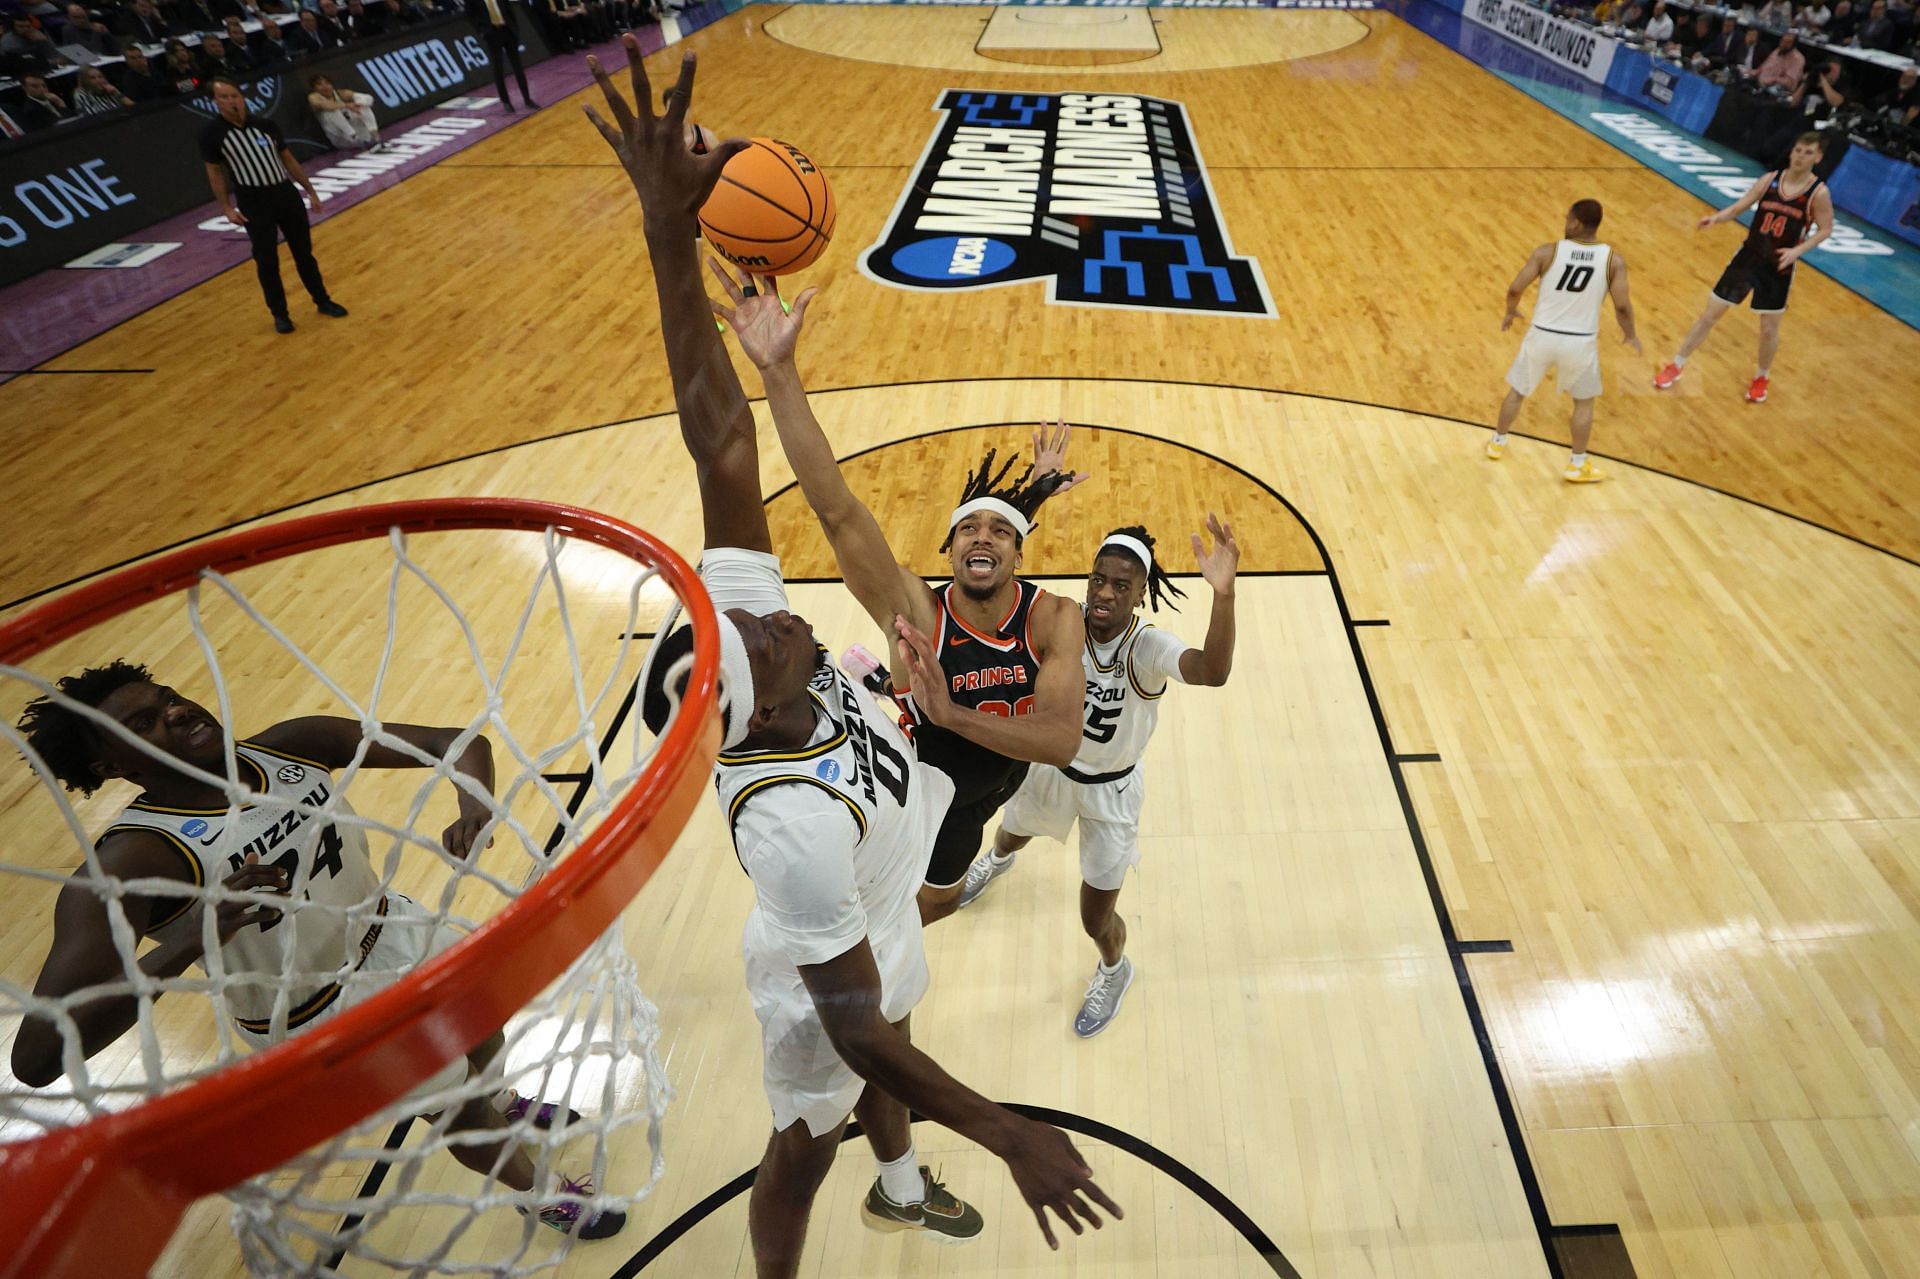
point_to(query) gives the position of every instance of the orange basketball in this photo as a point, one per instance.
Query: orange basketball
(772, 211)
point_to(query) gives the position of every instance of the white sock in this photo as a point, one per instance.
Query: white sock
(1679, 361)
(1000, 858)
(1760, 373)
(1499, 437)
(1577, 460)
(1108, 972)
(900, 1180)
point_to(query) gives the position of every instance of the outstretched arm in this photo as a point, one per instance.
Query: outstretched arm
(1734, 210)
(1051, 733)
(330, 741)
(672, 183)
(1622, 305)
(769, 333)
(1529, 272)
(1212, 664)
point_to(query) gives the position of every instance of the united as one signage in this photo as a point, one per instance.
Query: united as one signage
(1102, 195)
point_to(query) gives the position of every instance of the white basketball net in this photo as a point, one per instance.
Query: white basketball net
(565, 747)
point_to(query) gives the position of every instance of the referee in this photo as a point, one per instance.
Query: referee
(252, 174)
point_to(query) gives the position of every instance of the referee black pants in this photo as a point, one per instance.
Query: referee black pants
(270, 213)
(503, 46)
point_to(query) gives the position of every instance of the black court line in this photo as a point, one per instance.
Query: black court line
(871, 386)
(1426, 758)
(66, 372)
(1499, 946)
(1371, 621)
(370, 1187)
(636, 635)
(563, 779)
(1093, 1129)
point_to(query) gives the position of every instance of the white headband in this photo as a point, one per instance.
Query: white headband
(1133, 544)
(1005, 510)
(736, 684)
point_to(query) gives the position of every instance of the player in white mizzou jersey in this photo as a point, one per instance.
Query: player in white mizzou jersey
(1129, 665)
(280, 970)
(833, 846)
(1576, 274)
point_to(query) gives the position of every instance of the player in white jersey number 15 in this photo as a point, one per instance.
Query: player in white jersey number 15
(1577, 274)
(343, 935)
(1128, 665)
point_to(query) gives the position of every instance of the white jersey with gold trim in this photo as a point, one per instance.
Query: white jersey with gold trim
(1126, 677)
(308, 951)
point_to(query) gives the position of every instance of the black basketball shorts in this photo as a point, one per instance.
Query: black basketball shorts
(975, 801)
(1747, 273)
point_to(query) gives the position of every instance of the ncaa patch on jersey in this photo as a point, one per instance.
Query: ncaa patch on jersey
(193, 829)
(1102, 195)
(827, 770)
(291, 773)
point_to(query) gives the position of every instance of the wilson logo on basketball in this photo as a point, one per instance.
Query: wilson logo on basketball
(1104, 196)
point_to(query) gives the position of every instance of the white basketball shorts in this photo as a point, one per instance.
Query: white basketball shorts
(1575, 362)
(408, 938)
(804, 1075)
(1050, 802)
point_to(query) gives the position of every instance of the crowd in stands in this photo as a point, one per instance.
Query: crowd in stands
(70, 62)
(1837, 62)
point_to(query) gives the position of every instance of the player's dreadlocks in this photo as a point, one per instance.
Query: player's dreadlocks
(1159, 585)
(62, 737)
(1024, 495)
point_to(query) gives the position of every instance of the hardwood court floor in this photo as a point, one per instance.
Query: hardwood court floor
(1677, 764)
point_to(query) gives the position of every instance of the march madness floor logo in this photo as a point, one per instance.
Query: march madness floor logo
(1103, 195)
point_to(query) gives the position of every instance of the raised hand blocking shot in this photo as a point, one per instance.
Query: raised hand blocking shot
(833, 953)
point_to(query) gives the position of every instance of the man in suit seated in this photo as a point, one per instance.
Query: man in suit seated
(142, 24)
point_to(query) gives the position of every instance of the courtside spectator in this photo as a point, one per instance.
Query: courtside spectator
(41, 108)
(1775, 15)
(1844, 22)
(1659, 23)
(272, 53)
(309, 36)
(330, 13)
(1695, 35)
(403, 15)
(30, 45)
(179, 68)
(1812, 18)
(217, 60)
(139, 80)
(1785, 67)
(96, 94)
(1878, 31)
(141, 23)
(88, 34)
(239, 41)
(1747, 55)
(1902, 101)
(359, 24)
(345, 116)
(196, 15)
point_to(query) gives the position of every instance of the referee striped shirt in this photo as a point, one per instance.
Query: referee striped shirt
(250, 151)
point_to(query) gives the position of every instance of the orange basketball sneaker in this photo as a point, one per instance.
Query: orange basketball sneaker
(1667, 376)
(1757, 390)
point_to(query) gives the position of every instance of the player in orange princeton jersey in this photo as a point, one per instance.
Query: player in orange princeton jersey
(1792, 201)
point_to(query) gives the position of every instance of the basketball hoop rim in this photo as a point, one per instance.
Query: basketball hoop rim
(163, 1153)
